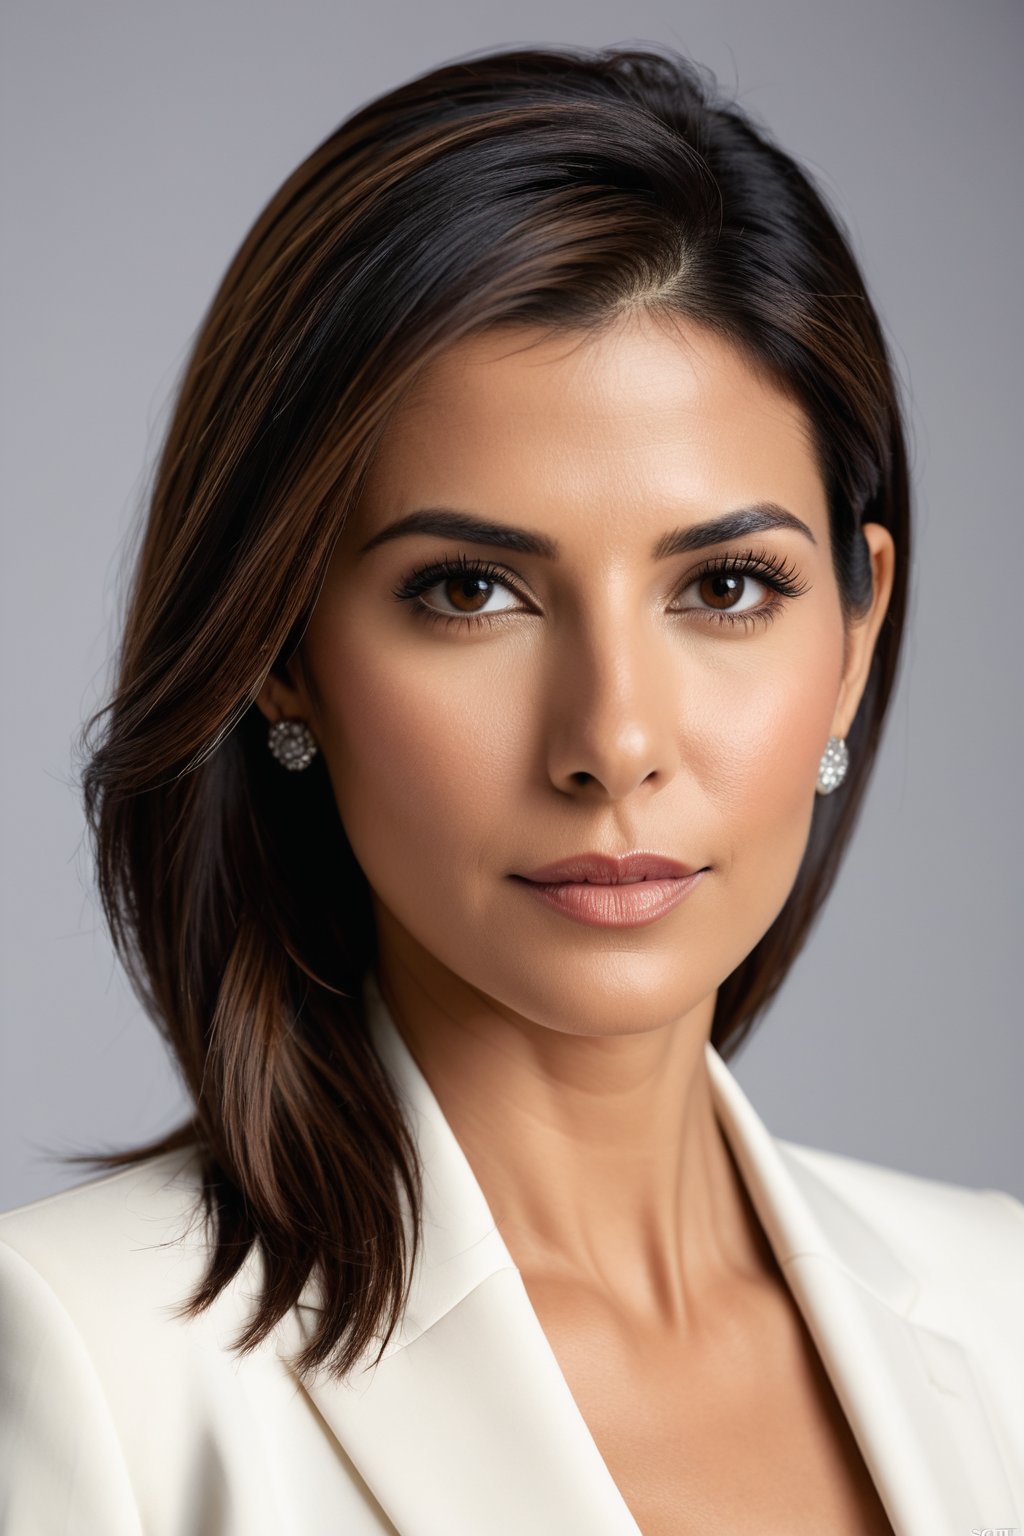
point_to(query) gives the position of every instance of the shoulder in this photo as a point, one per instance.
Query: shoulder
(96, 1365)
(964, 1246)
(911, 1206)
(118, 1258)
(118, 1211)
(118, 1414)
(102, 1270)
(119, 1245)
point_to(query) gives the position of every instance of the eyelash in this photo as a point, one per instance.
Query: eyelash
(766, 566)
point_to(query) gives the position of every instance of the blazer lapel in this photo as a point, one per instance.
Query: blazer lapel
(467, 1425)
(910, 1395)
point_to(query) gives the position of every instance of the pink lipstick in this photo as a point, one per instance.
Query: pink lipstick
(605, 891)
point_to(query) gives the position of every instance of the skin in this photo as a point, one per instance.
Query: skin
(607, 708)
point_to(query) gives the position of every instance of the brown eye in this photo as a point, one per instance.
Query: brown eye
(467, 593)
(455, 590)
(727, 592)
(721, 589)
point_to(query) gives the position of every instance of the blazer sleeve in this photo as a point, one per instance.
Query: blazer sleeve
(62, 1472)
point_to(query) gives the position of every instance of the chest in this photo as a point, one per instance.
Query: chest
(738, 1430)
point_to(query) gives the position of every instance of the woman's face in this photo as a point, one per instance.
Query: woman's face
(610, 699)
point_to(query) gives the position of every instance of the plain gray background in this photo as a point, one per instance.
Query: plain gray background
(139, 143)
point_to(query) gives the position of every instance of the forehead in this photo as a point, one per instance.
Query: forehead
(650, 410)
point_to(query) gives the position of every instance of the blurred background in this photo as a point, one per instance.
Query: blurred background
(139, 142)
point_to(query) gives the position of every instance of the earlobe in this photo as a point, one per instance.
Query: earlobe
(289, 738)
(864, 631)
(280, 699)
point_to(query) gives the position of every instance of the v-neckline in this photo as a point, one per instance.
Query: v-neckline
(468, 1368)
(732, 1139)
(572, 1406)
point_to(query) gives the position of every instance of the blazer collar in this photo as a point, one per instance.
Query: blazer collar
(468, 1424)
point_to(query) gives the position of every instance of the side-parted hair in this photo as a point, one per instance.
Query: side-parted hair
(558, 188)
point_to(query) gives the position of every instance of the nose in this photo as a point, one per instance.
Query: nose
(612, 712)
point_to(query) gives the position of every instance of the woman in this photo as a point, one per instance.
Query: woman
(517, 613)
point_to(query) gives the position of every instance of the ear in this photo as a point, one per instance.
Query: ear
(283, 695)
(863, 632)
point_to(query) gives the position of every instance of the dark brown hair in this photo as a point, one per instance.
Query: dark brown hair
(555, 188)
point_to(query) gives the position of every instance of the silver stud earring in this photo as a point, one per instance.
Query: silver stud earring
(834, 762)
(292, 743)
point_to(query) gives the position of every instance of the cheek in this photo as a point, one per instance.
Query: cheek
(759, 754)
(419, 760)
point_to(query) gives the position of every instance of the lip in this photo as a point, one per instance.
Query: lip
(605, 891)
(614, 904)
(609, 869)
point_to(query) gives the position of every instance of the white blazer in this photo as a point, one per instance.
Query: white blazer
(116, 1419)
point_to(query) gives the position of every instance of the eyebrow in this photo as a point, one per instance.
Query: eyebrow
(448, 523)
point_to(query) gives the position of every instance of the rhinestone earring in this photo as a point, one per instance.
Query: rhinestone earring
(834, 762)
(292, 743)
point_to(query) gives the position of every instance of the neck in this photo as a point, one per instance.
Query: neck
(601, 1157)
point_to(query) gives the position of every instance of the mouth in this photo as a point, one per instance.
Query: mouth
(632, 902)
(610, 869)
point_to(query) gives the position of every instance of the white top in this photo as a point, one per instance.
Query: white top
(118, 1419)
